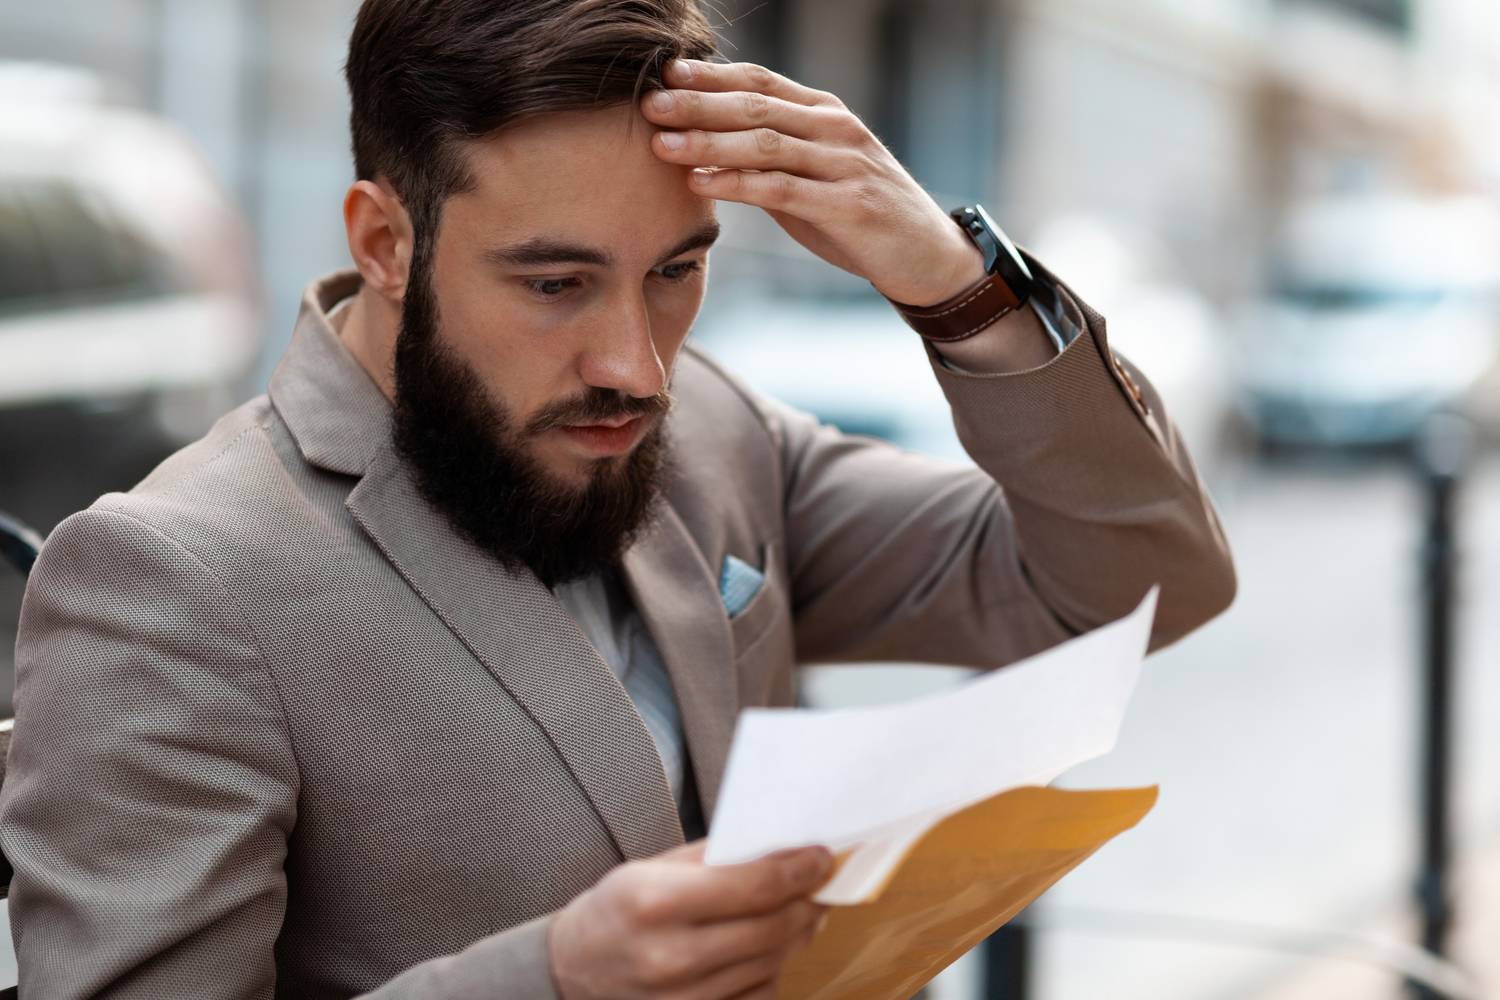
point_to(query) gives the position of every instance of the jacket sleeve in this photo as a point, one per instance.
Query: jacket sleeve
(152, 788)
(1083, 498)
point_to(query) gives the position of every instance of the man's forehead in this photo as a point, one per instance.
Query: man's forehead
(582, 179)
(575, 154)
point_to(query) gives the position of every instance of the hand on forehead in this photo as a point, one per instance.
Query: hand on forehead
(753, 136)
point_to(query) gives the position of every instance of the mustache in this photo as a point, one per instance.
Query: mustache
(596, 406)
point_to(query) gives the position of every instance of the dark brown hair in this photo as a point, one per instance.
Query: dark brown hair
(424, 75)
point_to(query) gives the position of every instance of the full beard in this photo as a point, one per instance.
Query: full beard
(471, 463)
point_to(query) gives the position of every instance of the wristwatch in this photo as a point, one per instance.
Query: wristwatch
(1006, 286)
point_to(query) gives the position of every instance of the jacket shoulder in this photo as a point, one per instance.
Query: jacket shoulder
(225, 493)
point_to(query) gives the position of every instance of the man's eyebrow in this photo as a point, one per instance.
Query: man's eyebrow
(705, 236)
(542, 251)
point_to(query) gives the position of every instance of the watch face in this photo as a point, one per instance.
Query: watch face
(983, 235)
(1006, 246)
(1000, 255)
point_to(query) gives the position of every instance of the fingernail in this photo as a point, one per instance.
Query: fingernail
(682, 68)
(662, 101)
(818, 927)
(702, 177)
(672, 140)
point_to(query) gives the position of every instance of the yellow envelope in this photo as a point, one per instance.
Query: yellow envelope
(961, 881)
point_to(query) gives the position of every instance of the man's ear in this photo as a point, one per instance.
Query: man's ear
(380, 237)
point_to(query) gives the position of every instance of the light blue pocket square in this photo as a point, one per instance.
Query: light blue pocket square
(738, 582)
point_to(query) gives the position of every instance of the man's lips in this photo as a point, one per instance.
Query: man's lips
(612, 422)
(613, 437)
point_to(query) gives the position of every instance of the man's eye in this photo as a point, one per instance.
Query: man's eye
(551, 288)
(677, 272)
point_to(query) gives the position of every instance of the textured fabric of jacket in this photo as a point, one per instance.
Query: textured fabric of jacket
(281, 732)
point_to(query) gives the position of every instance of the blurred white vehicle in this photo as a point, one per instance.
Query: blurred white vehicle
(855, 364)
(1382, 310)
(125, 271)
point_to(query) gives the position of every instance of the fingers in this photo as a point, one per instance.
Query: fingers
(731, 942)
(755, 978)
(723, 959)
(758, 149)
(696, 893)
(673, 927)
(773, 190)
(740, 111)
(755, 975)
(721, 77)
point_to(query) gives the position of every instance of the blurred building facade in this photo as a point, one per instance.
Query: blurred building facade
(1191, 120)
(1188, 121)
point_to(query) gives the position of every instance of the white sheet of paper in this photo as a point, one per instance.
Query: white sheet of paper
(881, 777)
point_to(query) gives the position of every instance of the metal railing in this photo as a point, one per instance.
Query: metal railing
(19, 545)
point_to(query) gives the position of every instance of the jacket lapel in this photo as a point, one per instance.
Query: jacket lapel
(678, 596)
(532, 646)
(509, 621)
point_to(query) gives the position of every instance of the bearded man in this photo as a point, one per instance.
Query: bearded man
(416, 676)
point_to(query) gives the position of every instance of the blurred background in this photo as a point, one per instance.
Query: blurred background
(1288, 209)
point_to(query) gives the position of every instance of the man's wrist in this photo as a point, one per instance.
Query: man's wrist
(1016, 342)
(988, 281)
(963, 269)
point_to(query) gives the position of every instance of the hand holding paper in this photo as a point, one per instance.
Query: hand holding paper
(929, 803)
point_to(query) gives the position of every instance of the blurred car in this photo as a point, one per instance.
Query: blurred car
(855, 364)
(851, 362)
(1382, 311)
(125, 271)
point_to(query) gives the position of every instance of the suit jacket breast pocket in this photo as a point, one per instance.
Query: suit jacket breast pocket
(764, 655)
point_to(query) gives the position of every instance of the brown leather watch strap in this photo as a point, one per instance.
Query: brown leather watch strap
(964, 315)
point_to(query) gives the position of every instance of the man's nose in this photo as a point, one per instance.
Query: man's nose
(622, 356)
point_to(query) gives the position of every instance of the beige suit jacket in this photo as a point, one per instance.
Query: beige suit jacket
(281, 732)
